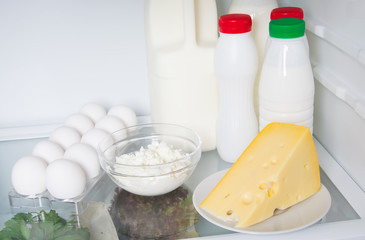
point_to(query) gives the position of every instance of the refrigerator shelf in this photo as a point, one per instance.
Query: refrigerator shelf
(347, 208)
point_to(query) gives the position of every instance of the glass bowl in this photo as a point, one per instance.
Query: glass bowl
(150, 159)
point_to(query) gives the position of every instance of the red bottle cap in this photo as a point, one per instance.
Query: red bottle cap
(287, 12)
(235, 23)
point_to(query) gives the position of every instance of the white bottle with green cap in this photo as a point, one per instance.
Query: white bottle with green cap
(286, 91)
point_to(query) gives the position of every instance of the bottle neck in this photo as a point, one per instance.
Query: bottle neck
(288, 39)
(232, 35)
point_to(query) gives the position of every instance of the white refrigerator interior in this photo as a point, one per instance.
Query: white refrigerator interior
(56, 56)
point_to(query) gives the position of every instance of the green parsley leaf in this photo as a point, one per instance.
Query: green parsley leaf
(42, 226)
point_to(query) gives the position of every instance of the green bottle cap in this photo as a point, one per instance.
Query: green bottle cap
(287, 28)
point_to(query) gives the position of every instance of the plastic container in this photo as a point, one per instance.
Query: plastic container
(236, 63)
(288, 12)
(143, 173)
(181, 36)
(287, 84)
(260, 11)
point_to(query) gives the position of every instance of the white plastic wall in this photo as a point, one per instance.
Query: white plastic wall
(56, 56)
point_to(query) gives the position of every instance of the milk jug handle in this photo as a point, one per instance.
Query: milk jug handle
(189, 23)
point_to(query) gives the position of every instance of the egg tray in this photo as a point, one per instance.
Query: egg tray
(45, 201)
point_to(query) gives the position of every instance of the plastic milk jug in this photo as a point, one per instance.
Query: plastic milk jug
(180, 38)
(236, 63)
(286, 85)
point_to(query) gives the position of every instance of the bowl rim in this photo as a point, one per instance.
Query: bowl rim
(177, 171)
(185, 156)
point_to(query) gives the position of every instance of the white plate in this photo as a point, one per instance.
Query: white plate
(297, 217)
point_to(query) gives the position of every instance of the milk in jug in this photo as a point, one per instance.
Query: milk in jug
(180, 38)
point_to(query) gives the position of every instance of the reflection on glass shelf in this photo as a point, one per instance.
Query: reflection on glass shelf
(340, 209)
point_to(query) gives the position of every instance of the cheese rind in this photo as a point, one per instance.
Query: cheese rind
(277, 170)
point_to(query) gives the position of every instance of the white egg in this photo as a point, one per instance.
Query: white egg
(80, 122)
(94, 136)
(124, 113)
(65, 179)
(28, 175)
(93, 111)
(86, 156)
(65, 136)
(110, 124)
(48, 150)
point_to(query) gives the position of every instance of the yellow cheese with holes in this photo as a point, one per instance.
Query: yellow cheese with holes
(277, 170)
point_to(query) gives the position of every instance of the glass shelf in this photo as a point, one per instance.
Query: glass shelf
(104, 190)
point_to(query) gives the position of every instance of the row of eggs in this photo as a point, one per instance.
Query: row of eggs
(65, 162)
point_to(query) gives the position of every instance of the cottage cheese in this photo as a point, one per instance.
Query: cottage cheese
(153, 170)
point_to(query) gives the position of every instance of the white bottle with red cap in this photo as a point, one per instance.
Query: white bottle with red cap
(236, 64)
(288, 12)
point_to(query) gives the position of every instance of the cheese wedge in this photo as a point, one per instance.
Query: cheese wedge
(277, 170)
